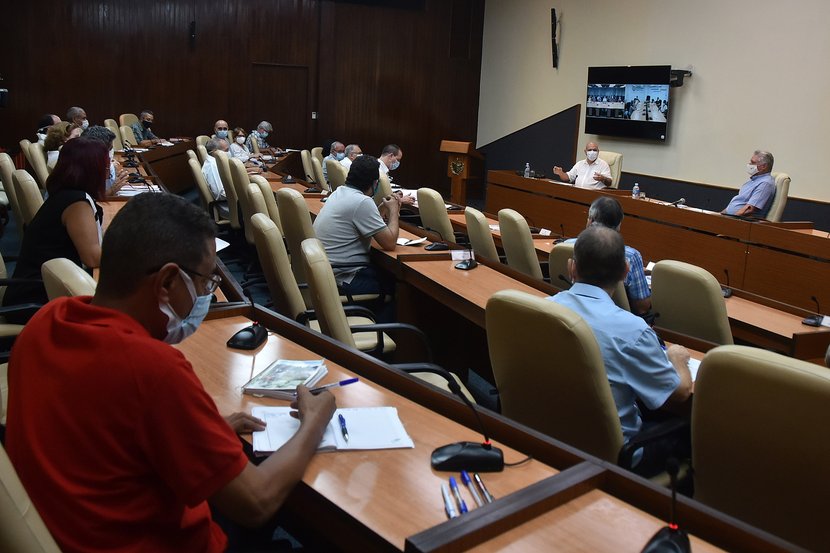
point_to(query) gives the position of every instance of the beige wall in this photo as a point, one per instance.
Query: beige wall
(761, 80)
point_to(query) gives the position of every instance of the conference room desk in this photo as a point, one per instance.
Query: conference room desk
(389, 500)
(168, 164)
(768, 259)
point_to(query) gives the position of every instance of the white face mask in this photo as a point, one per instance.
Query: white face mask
(240, 140)
(177, 328)
(751, 169)
(592, 155)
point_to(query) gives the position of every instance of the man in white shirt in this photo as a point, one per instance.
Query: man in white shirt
(352, 151)
(390, 158)
(336, 153)
(210, 170)
(591, 172)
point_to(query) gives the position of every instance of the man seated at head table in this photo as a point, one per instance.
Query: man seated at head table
(636, 365)
(755, 196)
(591, 172)
(112, 434)
(607, 212)
(143, 131)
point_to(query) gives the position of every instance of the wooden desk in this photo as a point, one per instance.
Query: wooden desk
(168, 164)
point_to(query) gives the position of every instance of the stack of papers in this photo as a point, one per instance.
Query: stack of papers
(281, 378)
(411, 241)
(368, 428)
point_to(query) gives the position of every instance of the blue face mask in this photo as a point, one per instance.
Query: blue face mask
(339, 156)
(221, 134)
(395, 165)
(263, 134)
(177, 328)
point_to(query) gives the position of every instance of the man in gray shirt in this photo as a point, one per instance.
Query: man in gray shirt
(348, 223)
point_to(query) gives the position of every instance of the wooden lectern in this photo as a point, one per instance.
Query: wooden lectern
(460, 156)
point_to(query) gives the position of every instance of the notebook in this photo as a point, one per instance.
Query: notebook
(281, 378)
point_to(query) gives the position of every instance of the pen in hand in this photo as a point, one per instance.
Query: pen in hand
(345, 382)
(343, 429)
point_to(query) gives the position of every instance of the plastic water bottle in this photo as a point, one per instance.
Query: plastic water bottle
(527, 170)
(635, 192)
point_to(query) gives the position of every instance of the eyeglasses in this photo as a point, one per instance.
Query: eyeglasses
(212, 281)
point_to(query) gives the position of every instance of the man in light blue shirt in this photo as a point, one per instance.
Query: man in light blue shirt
(635, 363)
(756, 195)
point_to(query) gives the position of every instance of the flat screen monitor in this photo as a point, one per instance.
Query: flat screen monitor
(628, 101)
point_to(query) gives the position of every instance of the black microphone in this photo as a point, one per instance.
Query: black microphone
(671, 538)
(469, 456)
(562, 230)
(681, 201)
(469, 263)
(726, 290)
(816, 319)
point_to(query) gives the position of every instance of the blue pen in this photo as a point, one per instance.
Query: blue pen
(465, 478)
(457, 493)
(343, 428)
(346, 382)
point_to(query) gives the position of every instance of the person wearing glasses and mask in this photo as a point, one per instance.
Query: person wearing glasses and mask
(755, 196)
(337, 152)
(142, 130)
(113, 435)
(256, 140)
(591, 172)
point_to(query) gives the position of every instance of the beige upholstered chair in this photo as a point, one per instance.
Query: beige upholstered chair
(481, 237)
(285, 293)
(210, 205)
(255, 146)
(24, 147)
(332, 316)
(28, 195)
(201, 140)
(224, 166)
(550, 373)
(272, 210)
(433, 212)
(614, 161)
(558, 264)
(688, 300)
(337, 173)
(201, 152)
(782, 191)
(127, 136)
(62, 277)
(192, 155)
(37, 159)
(761, 444)
(6, 172)
(113, 126)
(384, 188)
(319, 179)
(308, 169)
(127, 119)
(518, 243)
(317, 152)
(241, 180)
(21, 528)
(296, 225)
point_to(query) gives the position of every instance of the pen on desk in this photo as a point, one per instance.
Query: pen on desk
(457, 493)
(343, 429)
(465, 478)
(487, 495)
(448, 506)
(346, 382)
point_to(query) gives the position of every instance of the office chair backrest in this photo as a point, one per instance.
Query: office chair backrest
(308, 170)
(62, 277)
(481, 237)
(296, 225)
(241, 180)
(317, 152)
(28, 195)
(21, 528)
(205, 195)
(324, 293)
(384, 188)
(688, 300)
(128, 136)
(614, 161)
(201, 140)
(760, 441)
(558, 264)
(201, 151)
(433, 212)
(318, 174)
(224, 166)
(550, 373)
(24, 147)
(113, 126)
(518, 243)
(273, 211)
(276, 267)
(782, 191)
(192, 155)
(337, 173)
(38, 161)
(6, 172)
(127, 119)
(256, 201)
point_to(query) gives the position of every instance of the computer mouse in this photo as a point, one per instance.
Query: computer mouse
(250, 337)
(467, 456)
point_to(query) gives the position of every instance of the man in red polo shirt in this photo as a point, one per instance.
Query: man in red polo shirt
(114, 437)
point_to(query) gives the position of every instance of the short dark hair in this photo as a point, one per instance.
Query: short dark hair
(599, 254)
(148, 232)
(84, 164)
(606, 211)
(145, 112)
(390, 149)
(44, 123)
(363, 173)
(101, 134)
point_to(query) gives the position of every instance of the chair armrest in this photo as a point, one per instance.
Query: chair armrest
(380, 328)
(656, 432)
(359, 311)
(411, 368)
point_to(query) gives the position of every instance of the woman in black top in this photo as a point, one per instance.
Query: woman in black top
(68, 224)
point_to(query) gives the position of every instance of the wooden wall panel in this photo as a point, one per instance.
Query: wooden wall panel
(374, 74)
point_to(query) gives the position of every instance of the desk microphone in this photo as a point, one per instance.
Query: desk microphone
(469, 263)
(469, 456)
(562, 230)
(130, 153)
(816, 319)
(671, 538)
(726, 290)
(681, 201)
(250, 337)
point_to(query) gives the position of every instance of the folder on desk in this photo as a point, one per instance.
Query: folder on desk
(369, 428)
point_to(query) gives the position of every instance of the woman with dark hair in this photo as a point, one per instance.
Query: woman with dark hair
(68, 224)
